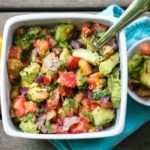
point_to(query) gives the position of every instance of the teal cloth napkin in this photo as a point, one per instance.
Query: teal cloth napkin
(137, 114)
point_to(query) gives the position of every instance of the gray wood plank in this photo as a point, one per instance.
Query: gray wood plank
(137, 141)
(4, 16)
(12, 143)
(61, 3)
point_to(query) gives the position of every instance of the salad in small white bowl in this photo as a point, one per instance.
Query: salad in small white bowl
(37, 35)
(139, 72)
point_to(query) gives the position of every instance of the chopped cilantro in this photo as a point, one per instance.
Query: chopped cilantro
(100, 94)
(88, 115)
(48, 126)
(50, 87)
(26, 118)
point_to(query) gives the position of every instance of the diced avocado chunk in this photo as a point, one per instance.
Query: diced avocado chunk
(116, 73)
(102, 116)
(88, 42)
(92, 57)
(144, 76)
(134, 65)
(65, 54)
(81, 81)
(134, 62)
(29, 74)
(37, 94)
(70, 103)
(115, 87)
(28, 126)
(107, 66)
(27, 118)
(145, 79)
(64, 32)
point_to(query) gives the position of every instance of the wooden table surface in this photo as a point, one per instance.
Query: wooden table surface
(140, 140)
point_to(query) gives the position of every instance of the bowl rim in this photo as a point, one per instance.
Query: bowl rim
(129, 54)
(43, 16)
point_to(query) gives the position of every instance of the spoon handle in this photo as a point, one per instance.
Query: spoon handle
(137, 8)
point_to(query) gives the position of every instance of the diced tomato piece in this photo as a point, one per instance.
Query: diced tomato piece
(55, 128)
(47, 80)
(93, 105)
(77, 128)
(15, 52)
(85, 108)
(53, 102)
(67, 79)
(70, 113)
(85, 67)
(42, 46)
(94, 80)
(18, 106)
(86, 31)
(145, 49)
(83, 118)
(51, 42)
(30, 107)
(66, 91)
(73, 63)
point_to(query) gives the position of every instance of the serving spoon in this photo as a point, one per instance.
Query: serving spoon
(137, 8)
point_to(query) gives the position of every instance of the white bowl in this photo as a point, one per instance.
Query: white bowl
(134, 49)
(47, 18)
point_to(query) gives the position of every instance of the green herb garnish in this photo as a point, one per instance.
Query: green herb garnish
(50, 87)
(88, 115)
(99, 94)
(27, 118)
(48, 126)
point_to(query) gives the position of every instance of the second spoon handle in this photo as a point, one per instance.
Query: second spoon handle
(137, 8)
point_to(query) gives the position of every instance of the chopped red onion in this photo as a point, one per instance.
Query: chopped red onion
(60, 121)
(40, 123)
(41, 119)
(112, 43)
(52, 26)
(24, 90)
(76, 44)
(89, 94)
(51, 62)
(100, 128)
(69, 121)
(105, 99)
(39, 79)
(57, 51)
(34, 51)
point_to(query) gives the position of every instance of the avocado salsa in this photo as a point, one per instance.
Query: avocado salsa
(139, 71)
(60, 82)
